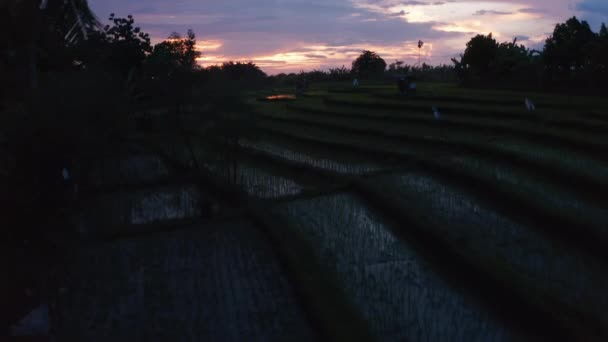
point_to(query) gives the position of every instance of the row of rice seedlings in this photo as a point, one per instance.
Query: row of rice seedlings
(253, 179)
(516, 101)
(470, 140)
(453, 108)
(514, 293)
(467, 221)
(538, 154)
(575, 131)
(321, 291)
(397, 292)
(478, 94)
(580, 114)
(527, 206)
(564, 218)
(562, 159)
(459, 140)
(367, 149)
(555, 196)
(491, 128)
(217, 283)
(589, 125)
(329, 164)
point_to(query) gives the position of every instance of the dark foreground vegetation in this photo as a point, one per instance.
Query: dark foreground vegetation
(147, 198)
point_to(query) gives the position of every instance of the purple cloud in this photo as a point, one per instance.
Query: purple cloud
(491, 12)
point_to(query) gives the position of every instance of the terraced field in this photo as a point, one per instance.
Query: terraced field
(515, 200)
(353, 214)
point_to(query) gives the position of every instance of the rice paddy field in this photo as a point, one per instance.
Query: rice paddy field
(356, 214)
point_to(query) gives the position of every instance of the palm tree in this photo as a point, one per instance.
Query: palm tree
(73, 18)
(69, 20)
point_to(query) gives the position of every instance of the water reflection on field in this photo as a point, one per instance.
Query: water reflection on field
(280, 97)
(396, 291)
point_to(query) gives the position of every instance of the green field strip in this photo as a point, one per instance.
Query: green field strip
(457, 110)
(317, 288)
(310, 181)
(540, 121)
(346, 163)
(595, 148)
(451, 89)
(560, 175)
(456, 215)
(454, 109)
(551, 103)
(549, 141)
(492, 279)
(588, 125)
(404, 106)
(543, 132)
(522, 206)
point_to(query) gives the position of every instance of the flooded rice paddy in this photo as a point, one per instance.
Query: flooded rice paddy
(400, 296)
(219, 282)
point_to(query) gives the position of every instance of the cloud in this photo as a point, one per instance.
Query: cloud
(531, 10)
(398, 14)
(491, 12)
(313, 56)
(415, 3)
(593, 6)
(289, 35)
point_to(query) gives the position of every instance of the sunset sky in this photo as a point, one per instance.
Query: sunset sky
(294, 35)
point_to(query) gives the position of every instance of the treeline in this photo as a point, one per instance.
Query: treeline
(369, 66)
(332, 75)
(56, 43)
(424, 72)
(573, 57)
(73, 88)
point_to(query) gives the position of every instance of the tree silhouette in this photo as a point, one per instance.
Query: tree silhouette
(568, 48)
(480, 53)
(120, 46)
(368, 65)
(173, 55)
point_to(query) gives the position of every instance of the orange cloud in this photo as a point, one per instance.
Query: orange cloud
(319, 56)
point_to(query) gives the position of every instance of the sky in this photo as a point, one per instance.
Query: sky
(294, 35)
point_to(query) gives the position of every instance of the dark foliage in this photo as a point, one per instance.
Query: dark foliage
(574, 57)
(368, 65)
(119, 47)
